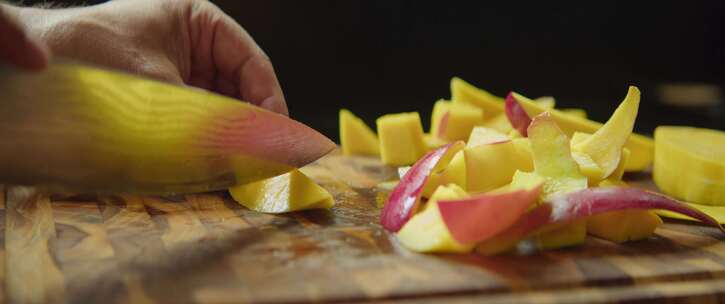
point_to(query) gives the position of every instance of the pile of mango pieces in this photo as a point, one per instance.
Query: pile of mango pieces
(495, 175)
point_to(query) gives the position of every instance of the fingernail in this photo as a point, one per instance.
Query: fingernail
(273, 104)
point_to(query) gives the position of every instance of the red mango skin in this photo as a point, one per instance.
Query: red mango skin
(404, 199)
(517, 115)
(480, 217)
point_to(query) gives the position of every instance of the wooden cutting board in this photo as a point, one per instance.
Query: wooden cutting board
(206, 248)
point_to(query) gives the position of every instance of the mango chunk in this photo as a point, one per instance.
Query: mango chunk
(453, 173)
(454, 121)
(483, 135)
(641, 147)
(605, 145)
(690, 164)
(579, 113)
(717, 212)
(563, 235)
(356, 138)
(493, 165)
(433, 142)
(499, 122)
(427, 232)
(401, 138)
(622, 226)
(288, 192)
(464, 92)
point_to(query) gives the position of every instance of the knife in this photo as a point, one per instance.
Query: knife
(73, 127)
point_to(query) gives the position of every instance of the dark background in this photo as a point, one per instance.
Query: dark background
(376, 57)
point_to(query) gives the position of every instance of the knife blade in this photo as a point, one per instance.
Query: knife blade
(73, 127)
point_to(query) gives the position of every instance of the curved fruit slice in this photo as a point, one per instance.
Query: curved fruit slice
(584, 203)
(454, 121)
(94, 130)
(426, 231)
(493, 165)
(288, 192)
(464, 92)
(575, 112)
(605, 145)
(499, 122)
(480, 217)
(403, 201)
(516, 114)
(690, 164)
(622, 226)
(641, 147)
(717, 212)
(401, 138)
(483, 136)
(433, 142)
(356, 138)
(453, 173)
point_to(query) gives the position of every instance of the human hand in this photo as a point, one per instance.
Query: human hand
(180, 41)
(17, 48)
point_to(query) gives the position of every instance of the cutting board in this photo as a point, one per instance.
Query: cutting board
(206, 248)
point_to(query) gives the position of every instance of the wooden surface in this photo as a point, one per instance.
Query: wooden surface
(206, 248)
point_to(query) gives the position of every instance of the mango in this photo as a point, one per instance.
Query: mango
(288, 192)
(641, 147)
(605, 145)
(453, 173)
(563, 235)
(493, 165)
(575, 112)
(426, 231)
(690, 164)
(401, 138)
(433, 142)
(499, 122)
(356, 138)
(454, 121)
(622, 226)
(464, 92)
(483, 135)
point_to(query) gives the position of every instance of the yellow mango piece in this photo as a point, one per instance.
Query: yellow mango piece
(525, 180)
(433, 142)
(605, 145)
(579, 113)
(356, 138)
(499, 122)
(464, 92)
(453, 173)
(625, 225)
(563, 235)
(717, 212)
(288, 192)
(690, 164)
(618, 172)
(483, 135)
(401, 138)
(552, 157)
(426, 231)
(454, 121)
(546, 101)
(588, 167)
(493, 165)
(641, 147)
(522, 145)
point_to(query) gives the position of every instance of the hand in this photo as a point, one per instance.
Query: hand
(180, 41)
(17, 48)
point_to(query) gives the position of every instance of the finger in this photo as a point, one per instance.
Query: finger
(17, 49)
(238, 58)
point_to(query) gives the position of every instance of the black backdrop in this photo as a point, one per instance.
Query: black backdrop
(377, 57)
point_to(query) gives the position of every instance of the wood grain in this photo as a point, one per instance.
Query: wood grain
(206, 248)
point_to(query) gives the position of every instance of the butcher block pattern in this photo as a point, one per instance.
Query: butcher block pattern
(206, 248)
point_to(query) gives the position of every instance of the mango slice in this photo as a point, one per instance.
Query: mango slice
(493, 165)
(453, 173)
(499, 122)
(401, 138)
(454, 121)
(563, 235)
(464, 92)
(426, 231)
(552, 157)
(288, 192)
(717, 212)
(356, 138)
(641, 147)
(483, 135)
(690, 164)
(622, 226)
(605, 145)
(575, 112)
(433, 142)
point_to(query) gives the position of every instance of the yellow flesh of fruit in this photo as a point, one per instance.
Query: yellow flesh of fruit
(454, 121)
(288, 192)
(401, 138)
(622, 226)
(356, 138)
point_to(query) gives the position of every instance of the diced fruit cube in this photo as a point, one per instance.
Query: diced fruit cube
(463, 92)
(498, 122)
(356, 138)
(285, 193)
(483, 135)
(622, 226)
(493, 165)
(454, 121)
(401, 138)
(433, 142)
(564, 235)
(579, 113)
